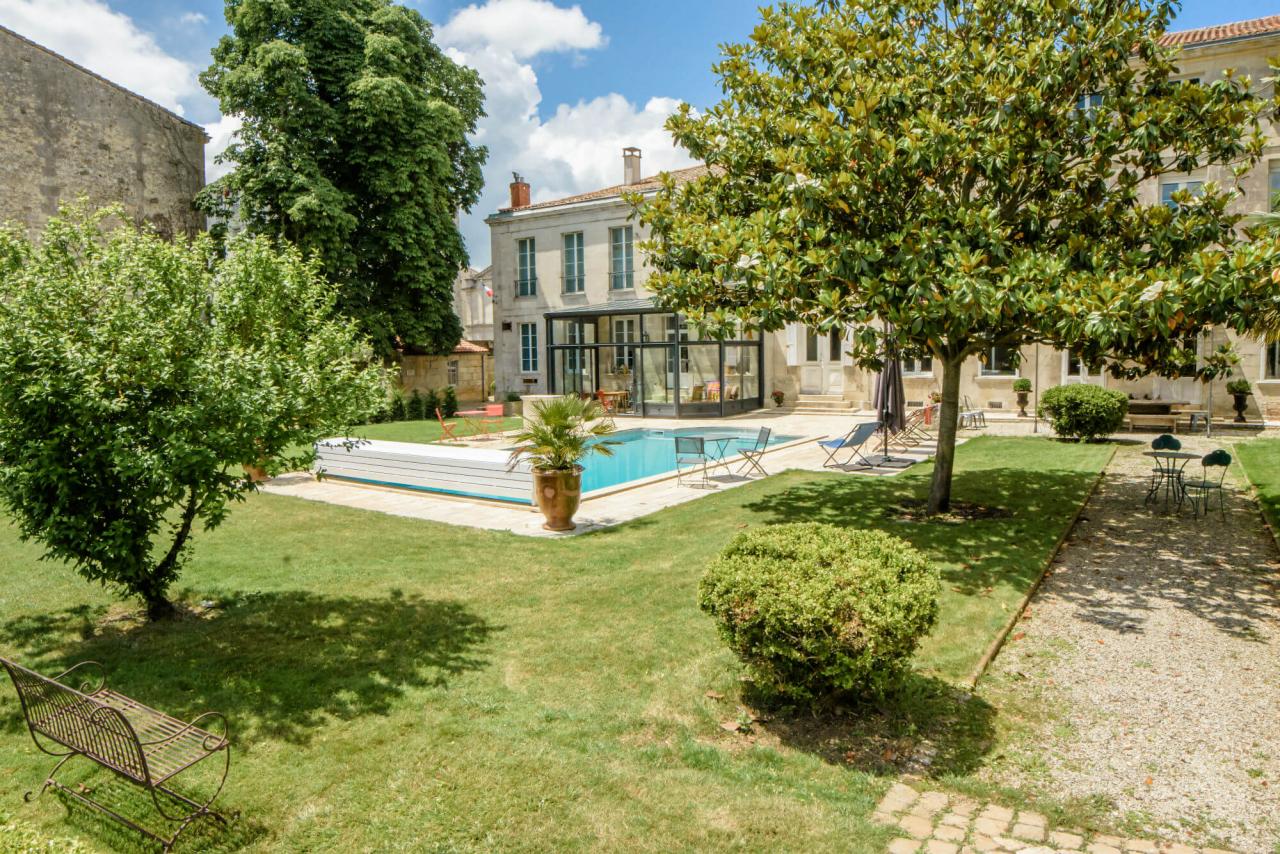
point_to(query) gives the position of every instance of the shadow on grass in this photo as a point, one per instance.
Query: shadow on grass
(926, 726)
(276, 664)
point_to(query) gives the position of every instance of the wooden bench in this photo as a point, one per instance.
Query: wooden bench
(1168, 420)
(136, 742)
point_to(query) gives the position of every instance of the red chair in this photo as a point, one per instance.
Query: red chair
(446, 429)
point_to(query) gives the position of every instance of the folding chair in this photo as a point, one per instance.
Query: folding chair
(446, 429)
(853, 442)
(751, 456)
(691, 451)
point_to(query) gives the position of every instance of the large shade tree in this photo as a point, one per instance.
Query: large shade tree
(355, 147)
(950, 177)
(138, 378)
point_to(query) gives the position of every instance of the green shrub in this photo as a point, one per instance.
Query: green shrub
(814, 610)
(1022, 384)
(1083, 411)
(449, 402)
(416, 409)
(399, 408)
(1240, 386)
(430, 403)
(513, 397)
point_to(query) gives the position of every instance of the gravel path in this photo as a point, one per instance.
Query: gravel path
(1157, 641)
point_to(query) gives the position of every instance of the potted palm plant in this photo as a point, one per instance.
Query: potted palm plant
(561, 433)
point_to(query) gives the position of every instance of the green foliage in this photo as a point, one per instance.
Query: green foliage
(563, 432)
(1239, 386)
(449, 401)
(1022, 385)
(928, 166)
(1083, 411)
(415, 410)
(513, 397)
(814, 610)
(137, 375)
(355, 146)
(431, 402)
(398, 409)
(18, 837)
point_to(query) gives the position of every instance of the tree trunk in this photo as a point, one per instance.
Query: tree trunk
(153, 593)
(945, 457)
(158, 607)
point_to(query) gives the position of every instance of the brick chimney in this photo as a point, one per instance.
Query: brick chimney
(631, 165)
(519, 191)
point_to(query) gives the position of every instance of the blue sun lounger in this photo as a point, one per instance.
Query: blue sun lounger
(852, 442)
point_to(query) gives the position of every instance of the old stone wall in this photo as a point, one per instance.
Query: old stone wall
(470, 375)
(66, 133)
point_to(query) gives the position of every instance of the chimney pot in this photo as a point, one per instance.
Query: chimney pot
(519, 191)
(631, 165)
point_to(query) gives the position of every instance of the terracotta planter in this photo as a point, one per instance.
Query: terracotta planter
(1240, 402)
(255, 473)
(1022, 403)
(558, 493)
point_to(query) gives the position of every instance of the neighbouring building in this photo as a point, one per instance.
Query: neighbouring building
(572, 314)
(66, 132)
(469, 368)
(473, 303)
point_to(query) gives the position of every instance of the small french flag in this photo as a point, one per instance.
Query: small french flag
(488, 292)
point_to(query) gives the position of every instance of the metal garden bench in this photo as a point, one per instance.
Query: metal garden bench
(138, 743)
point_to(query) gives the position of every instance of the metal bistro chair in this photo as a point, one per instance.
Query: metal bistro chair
(691, 451)
(751, 456)
(1167, 473)
(972, 416)
(1200, 490)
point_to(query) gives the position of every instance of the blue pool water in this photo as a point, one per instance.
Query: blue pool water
(644, 453)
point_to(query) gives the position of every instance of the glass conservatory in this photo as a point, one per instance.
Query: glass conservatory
(640, 360)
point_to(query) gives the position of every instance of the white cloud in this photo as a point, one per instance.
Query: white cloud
(106, 42)
(522, 28)
(193, 19)
(220, 134)
(579, 147)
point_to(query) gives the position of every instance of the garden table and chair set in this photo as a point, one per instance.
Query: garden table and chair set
(704, 454)
(1170, 483)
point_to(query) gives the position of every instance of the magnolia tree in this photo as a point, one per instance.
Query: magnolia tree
(138, 377)
(948, 178)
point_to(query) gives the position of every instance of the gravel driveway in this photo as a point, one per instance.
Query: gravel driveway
(1156, 644)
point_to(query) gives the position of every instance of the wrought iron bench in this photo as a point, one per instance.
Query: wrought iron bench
(138, 743)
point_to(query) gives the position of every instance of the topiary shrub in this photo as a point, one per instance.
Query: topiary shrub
(1083, 411)
(399, 407)
(815, 611)
(430, 403)
(416, 409)
(449, 402)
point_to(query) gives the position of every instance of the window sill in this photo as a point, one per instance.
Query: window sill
(996, 377)
(917, 376)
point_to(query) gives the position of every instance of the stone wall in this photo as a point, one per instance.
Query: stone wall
(475, 371)
(66, 133)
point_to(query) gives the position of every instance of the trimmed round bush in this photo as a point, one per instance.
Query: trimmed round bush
(1083, 411)
(814, 610)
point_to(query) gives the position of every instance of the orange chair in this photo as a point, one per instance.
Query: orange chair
(492, 421)
(446, 429)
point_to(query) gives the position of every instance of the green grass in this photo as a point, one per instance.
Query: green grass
(1260, 459)
(398, 684)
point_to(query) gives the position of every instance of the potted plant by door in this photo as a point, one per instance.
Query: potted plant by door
(1239, 391)
(778, 397)
(561, 433)
(1022, 387)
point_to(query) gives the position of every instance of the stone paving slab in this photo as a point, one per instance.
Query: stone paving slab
(934, 822)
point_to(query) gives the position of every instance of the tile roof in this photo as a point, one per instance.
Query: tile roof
(1223, 32)
(465, 346)
(644, 185)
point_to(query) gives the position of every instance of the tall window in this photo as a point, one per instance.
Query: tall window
(528, 348)
(1000, 362)
(622, 267)
(1089, 104)
(835, 345)
(526, 268)
(1168, 188)
(451, 372)
(918, 365)
(574, 277)
(624, 331)
(1272, 367)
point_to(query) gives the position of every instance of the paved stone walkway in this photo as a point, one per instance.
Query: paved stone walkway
(938, 823)
(1148, 667)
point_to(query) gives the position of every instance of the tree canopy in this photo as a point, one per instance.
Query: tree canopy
(354, 147)
(946, 178)
(138, 376)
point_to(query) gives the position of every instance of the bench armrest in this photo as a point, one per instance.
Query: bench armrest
(94, 676)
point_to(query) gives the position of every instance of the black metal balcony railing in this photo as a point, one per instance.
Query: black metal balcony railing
(526, 286)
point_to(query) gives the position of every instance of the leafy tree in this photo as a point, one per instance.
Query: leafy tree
(138, 376)
(948, 178)
(355, 148)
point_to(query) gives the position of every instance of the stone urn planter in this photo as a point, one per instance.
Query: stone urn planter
(1240, 402)
(558, 493)
(1022, 388)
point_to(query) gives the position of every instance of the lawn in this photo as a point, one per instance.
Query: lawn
(423, 431)
(1260, 459)
(405, 685)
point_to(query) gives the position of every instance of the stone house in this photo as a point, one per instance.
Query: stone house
(66, 132)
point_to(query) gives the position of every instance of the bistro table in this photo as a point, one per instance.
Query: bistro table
(722, 444)
(1168, 474)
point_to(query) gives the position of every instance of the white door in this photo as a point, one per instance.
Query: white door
(822, 365)
(1074, 370)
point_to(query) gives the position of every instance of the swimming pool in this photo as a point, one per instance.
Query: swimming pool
(643, 453)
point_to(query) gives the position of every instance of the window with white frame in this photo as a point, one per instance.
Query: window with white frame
(1168, 188)
(528, 348)
(1000, 362)
(526, 268)
(1271, 361)
(1089, 104)
(574, 275)
(622, 261)
(917, 366)
(624, 332)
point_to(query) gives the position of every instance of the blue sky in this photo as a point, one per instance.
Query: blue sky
(568, 83)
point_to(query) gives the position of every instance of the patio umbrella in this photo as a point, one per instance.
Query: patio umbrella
(890, 401)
